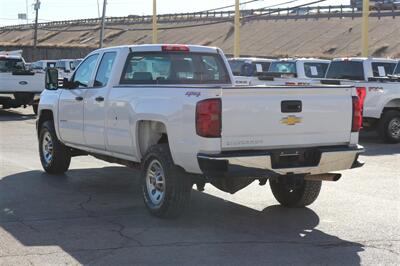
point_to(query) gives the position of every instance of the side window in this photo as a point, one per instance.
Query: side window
(85, 71)
(104, 71)
(382, 69)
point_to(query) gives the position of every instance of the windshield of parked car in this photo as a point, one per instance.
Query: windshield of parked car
(315, 70)
(11, 64)
(174, 68)
(352, 70)
(283, 67)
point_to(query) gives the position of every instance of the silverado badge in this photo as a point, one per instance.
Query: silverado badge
(291, 120)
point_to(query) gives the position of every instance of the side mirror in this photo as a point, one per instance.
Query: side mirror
(51, 79)
(67, 84)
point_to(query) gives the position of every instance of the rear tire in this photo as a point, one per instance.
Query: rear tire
(300, 196)
(54, 156)
(389, 127)
(165, 187)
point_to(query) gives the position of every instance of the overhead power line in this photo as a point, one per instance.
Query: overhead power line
(247, 2)
(225, 7)
(202, 24)
(199, 25)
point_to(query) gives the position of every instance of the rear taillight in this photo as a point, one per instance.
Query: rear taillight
(362, 93)
(208, 118)
(357, 114)
(175, 48)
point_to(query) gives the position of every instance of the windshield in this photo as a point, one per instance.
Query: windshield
(283, 67)
(351, 70)
(11, 64)
(315, 70)
(174, 68)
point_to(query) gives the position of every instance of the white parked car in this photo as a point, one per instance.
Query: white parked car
(302, 71)
(19, 86)
(381, 95)
(173, 112)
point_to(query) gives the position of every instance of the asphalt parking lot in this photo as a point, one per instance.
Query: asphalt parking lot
(94, 215)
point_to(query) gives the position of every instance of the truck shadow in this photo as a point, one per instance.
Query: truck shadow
(375, 147)
(12, 115)
(97, 216)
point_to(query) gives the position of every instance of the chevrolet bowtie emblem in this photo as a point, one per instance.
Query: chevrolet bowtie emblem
(291, 120)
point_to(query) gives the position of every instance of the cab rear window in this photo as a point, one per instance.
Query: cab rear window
(11, 64)
(283, 67)
(174, 68)
(315, 70)
(351, 70)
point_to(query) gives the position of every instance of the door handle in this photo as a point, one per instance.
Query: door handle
(291, 106)
(99, 99)
(79, 98)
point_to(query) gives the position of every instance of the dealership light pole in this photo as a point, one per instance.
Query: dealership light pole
(27, 10)
(103, 21)
(36, 7)
(364, 37)
(236, 48)
(155, 22)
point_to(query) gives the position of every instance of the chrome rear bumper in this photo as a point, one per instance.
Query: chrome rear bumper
(267, 164)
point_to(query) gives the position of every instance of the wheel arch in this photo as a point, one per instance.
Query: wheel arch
(393, 104)
(44, 115)
(150, 132)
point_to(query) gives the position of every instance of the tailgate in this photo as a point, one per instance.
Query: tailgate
(22, 83)
(268, 117)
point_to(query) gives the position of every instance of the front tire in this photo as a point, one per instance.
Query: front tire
(165, 187)
(297, 197)
(54, 156)
(389, 127)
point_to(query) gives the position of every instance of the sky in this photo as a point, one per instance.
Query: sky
(52, 10)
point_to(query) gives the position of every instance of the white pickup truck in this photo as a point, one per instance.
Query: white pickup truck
(18, 86)
(173, 111)
(380, 94)
(301, 71)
